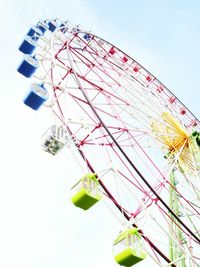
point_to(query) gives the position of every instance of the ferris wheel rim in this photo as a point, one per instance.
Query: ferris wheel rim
(139, 64)
(62, 114)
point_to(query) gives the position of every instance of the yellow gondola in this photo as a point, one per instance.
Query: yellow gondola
(128, 249)
(85, 193)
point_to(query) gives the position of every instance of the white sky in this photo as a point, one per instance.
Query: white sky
(38, 224)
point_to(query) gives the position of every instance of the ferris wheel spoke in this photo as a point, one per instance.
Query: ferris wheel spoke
(132, 165)
(142, 177)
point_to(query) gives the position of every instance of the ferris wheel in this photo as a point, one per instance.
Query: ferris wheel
(138, 144)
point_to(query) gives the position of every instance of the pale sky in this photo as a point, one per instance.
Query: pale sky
(39, 227)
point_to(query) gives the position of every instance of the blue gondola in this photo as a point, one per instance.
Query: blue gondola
(28, 45)
(64, 27)
(28, 66)
(43, 26)
(35, 32)
(87, 37)
(53, 25)
(36, 96)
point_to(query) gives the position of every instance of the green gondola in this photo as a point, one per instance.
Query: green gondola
(128, 249)
(85, 193)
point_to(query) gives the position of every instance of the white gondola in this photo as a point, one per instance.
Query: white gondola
(54, 139)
